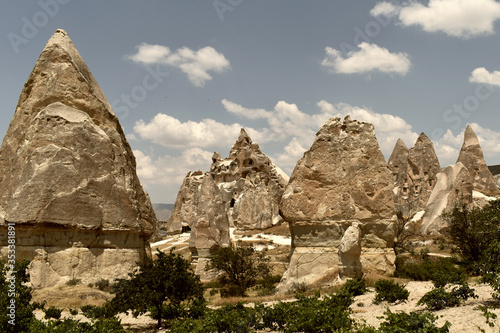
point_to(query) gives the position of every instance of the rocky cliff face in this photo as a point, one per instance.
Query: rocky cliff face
(210, 230)
(471, 156)
(184, 212)
(68, 176)
(251, 187)
(414, 178)
(453, 186)
(339, 205)
(250, 183)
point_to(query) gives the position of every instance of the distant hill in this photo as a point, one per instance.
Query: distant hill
(163, 211)
(494, 169)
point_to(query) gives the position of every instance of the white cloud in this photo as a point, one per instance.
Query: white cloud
(196, 64)
(169, 171)
(168, 131)
(385, 8)
(370, 57)
(458, 18)
(481, 75)
(289, 124)
(450, 144)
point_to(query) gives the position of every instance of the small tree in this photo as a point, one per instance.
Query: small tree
(166, 287)
(16, 314)
(473, 231)
(240, 269)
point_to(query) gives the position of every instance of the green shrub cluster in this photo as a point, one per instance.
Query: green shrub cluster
(53, 312)
(425, 268)
(390, 291)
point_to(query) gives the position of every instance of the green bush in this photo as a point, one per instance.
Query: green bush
(230, 318)
(102, 284)
(355, 287)
(240, 268)
(73, 282)
(166, 288)
(311, 314)
(390, 291)
(425, 268)
(73, 312)
(23, 307)
(53, 312)
(411, 322)
(439, 298)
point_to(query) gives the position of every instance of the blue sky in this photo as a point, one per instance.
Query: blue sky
(184, 76)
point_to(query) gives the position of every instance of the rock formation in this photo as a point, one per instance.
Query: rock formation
(250, 183)
(471, 156)
(210, 230)
(251, 187)
(415, 179)
(453, 186)
(339, 196)
(184, 212)
(68, 177)
(398, 161)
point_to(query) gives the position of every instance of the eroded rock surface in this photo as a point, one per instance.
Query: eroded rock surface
(471, 156)
(453, 186)
(415, 179)
(251, 188)
(341, 188)
(68, 176)
(210, 230)
(184, 212)
(250, 183)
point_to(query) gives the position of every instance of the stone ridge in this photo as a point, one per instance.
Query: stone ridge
(471, 156)
(68, 177)
(343, 176)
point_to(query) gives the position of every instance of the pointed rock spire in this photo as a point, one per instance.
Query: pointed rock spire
(65, 164)
(342, 179)
(415, 182)
(471, 156)
(398, 161)
(243, 140)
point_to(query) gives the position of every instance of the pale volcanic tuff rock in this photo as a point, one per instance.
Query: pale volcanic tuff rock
(398, 163)
(453, 186)
(471, 156)
(339, 196)
(68, 176)
(251, 185)
(184, 212)
(210, 230)
(251, 188)
(415, 179)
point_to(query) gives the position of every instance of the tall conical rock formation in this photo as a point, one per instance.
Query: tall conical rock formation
(471, 156)
(184, 212)
(251, 188)
(453, 186)
(342, 183)
(415, 179)
(210, 230)
(68, 176)
(251, 185)
(398, 161)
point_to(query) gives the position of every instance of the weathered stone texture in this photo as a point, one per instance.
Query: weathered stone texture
(453, 186)
(251, 188)
(471, 156)
(415, 179)
(210, 230)
(251, 185)
(66, 169)
(184, 212)
(340, 208)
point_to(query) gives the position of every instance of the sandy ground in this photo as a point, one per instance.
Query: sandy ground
(466, 318)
